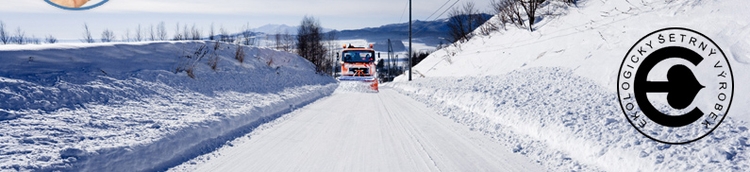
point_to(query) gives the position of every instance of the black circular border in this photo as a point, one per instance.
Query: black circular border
(619, 96)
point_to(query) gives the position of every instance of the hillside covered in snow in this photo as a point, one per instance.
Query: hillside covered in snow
(140, 106)
(551, 94)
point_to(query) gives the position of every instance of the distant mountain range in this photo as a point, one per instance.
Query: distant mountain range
(276, 28)
(430, 33)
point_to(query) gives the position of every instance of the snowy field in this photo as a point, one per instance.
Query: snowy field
(133, 107)
(551, 94)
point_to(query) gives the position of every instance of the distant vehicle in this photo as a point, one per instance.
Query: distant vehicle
(358, 65)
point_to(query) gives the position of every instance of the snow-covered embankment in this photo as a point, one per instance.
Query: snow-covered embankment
(551, 94)
(133, 107)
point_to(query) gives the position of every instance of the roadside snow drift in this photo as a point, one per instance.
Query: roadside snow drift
(140, 106)
(551, 94)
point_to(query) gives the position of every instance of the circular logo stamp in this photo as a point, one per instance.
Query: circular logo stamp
(76, 4)
(675, 85)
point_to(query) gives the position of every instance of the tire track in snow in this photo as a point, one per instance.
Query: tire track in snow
(368, 132)
(409, 132)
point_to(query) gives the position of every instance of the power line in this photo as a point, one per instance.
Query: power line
(403, 12)
(446, 10)
(441, 14)
(441, 7)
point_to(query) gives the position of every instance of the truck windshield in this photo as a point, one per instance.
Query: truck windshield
(358, 56)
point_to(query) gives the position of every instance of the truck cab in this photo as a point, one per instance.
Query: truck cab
(358, 64)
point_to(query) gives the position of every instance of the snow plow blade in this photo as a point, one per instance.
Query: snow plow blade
(358, 84)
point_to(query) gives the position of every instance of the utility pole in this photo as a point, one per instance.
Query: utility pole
(409, 41)
(333, 67)
(335, 61)
(390, 61)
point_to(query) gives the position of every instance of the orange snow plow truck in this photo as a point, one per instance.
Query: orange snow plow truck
(358, 68)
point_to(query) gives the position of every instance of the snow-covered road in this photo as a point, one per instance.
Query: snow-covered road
(351, 131)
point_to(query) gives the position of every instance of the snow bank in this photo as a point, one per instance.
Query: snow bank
(569, 123)
(132, 107)
(551, 94)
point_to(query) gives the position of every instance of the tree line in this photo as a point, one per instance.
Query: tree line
(140, 33)
(19, 37)
(180, 33)
(314, 45)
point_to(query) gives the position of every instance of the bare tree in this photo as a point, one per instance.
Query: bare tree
(239, 54)
(161, 31)
(310, 44)
(505, 11)
(463, 21)
(277, 40)
(457, 25)
(20, 37)
(512, 12)
(213, 59)
(195, 33)
(473, 21)
(138, 36)
(108, 36)
(4, 36)
(247, 35)
(126, 37)
(211, 33)
(50, 39)
(288, 42)
(177, 34)
(530, 7)
(185, 32)
(35, 40)
(87, 38)
(223, 35)
(151, 33)
(190, 60)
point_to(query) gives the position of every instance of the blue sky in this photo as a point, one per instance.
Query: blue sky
(38, 18)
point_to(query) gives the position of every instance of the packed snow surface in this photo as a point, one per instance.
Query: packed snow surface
(354, 131)
(133, 107)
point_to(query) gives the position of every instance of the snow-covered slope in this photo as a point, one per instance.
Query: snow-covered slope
(551, 94)
(129, 107)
